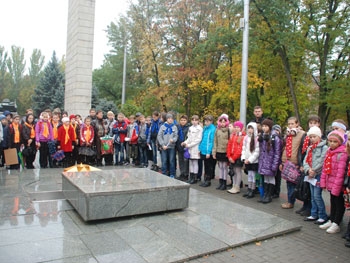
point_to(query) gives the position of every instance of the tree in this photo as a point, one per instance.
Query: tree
(16, 66)
(50, 85)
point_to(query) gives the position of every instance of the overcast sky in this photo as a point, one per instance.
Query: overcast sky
(42, 24)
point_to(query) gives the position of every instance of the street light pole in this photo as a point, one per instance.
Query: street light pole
(124, 76)
(244, 79)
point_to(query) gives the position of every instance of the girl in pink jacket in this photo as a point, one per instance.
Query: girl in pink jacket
(332, 179)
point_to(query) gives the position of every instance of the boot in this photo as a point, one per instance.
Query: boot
(269, 189)
(193, 179)
(206, 182)
(261, 193)
(235, 189)
(251, 194)
(247, 193)
(221, 181)
(223, 186)
(190, 179)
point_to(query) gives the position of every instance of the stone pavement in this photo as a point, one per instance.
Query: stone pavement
(310, 244)
(37, 225)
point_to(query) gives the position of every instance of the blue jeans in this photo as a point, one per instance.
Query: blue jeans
(154, 150)
(168, 157)
(318, 209)
(119, 149)
(143, 155)
(290, 191)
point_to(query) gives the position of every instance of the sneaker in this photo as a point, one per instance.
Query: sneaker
(320, 221)
(310, 218)
(326, 225)
(334, 228)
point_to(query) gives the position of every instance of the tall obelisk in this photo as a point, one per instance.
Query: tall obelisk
(79, 55)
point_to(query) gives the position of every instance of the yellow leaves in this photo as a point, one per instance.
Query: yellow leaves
(203, 86)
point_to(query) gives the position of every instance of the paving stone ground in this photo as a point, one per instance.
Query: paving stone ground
(310, 244)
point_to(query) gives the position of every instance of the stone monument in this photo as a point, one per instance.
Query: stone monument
(79, 55)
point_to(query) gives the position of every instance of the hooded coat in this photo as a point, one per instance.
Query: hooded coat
(269, 159)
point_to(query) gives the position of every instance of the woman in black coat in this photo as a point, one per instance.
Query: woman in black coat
(28, 138)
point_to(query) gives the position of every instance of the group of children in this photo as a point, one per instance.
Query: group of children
(260, 149)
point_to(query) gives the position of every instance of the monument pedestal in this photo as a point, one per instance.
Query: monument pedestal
(123, 192)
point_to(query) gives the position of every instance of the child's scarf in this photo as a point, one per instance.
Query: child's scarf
(309, 154)
(289, 141)
(328, 162)
(55, 130)
(66, 138)
(88, 133)
(16, 131)
(306, 144)
(46, 129)
(32, 130)
(168, 129)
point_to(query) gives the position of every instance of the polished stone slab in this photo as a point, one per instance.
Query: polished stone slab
(46, 231)
(123, 192)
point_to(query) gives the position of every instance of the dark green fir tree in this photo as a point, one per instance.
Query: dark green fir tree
(49, 93)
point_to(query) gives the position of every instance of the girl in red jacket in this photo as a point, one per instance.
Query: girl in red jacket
(234, 152)
(66, 140)
(332, 179)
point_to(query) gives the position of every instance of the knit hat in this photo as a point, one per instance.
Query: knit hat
(339, 125)
(6, 112)
(314, 131)
(238, 124)
(225, 117)
(2, 117)
(339, 136)
(276, 127)
(169, 115)
(138, 114)
(65, 119)
(72, 116)
(268, 122)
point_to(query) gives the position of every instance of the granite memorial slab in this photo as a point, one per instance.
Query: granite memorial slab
(123, 192)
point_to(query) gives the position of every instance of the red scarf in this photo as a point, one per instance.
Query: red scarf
(306, 144)
(309, 154)
(328, 162)
(289, 146)
(349, 169)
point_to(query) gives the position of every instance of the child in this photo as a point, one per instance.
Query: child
(313, 162)
(149, 148)
(152, 137)
(14, 138)
(109, 123)
(4, 126)
(28, 137)
(206, 148)
(119, 131)
(183, 128)
(66, 141)
(87, 134)
(313, 121)
(269, 158)
(277, 189)
(332, 179)
(234, 152)
(347, 191)
(76, 128)
(43, 135)
(167, 137)
(142, 142)
(292, 153)
(194, 137)
(221, 138)
(131, 139)
(250, 156)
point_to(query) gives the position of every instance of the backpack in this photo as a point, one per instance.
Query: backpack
(302, 189)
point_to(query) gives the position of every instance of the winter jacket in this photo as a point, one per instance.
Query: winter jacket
(26, 131)
(222, 135)
(154, 130)
(132, 133)
(207, 143)
(252, 157)
(182, 135)
(318, 155)
(234, 146)
(83, 131)
(61, 138)
(334, 182)
(269, 161)
(194, 137)
(166, 133)
(297, 145)
(11, 135)
(109, 124)
(119, 130)
(39, 137)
